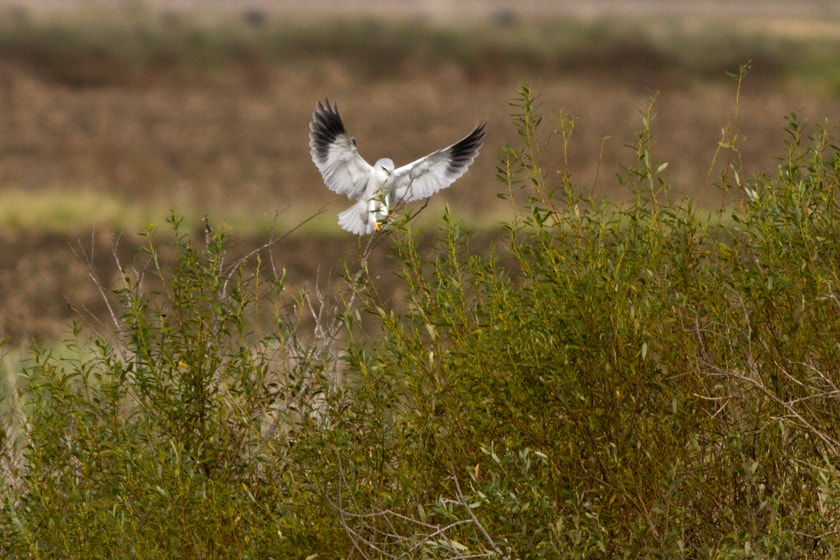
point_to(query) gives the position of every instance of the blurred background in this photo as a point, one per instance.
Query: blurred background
(113, 113)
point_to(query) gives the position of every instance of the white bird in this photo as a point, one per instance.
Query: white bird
(379, 186)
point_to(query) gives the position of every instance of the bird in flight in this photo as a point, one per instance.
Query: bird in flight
(377, 187)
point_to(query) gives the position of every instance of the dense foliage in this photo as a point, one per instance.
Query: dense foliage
(631, 380)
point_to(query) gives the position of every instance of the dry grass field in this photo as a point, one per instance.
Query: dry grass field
(101, 132)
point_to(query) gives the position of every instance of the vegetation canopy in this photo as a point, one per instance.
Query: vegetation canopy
(618, 380)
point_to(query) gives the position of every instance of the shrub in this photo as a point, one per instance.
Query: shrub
(644, 381)
(633, 379)
(163, 437)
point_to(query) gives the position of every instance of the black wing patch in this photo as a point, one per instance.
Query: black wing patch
(463, 153)
(325, 128)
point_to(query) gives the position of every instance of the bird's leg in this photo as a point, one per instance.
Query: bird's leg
(378, 209)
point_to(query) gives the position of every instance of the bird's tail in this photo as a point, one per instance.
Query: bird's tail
(355, 219)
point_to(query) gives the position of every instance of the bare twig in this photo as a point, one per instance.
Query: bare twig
(423, 535)
(268, 244)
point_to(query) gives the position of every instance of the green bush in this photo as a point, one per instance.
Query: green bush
(161, 439)
(634, 379)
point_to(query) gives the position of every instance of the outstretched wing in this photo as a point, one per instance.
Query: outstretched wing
(426, 176)
(334, 153)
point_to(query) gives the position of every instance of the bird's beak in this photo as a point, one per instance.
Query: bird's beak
(377, 225)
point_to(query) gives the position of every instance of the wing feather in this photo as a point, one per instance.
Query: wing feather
(334, 153)
(424, 177)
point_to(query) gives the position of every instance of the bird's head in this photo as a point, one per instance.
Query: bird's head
(386, 165)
